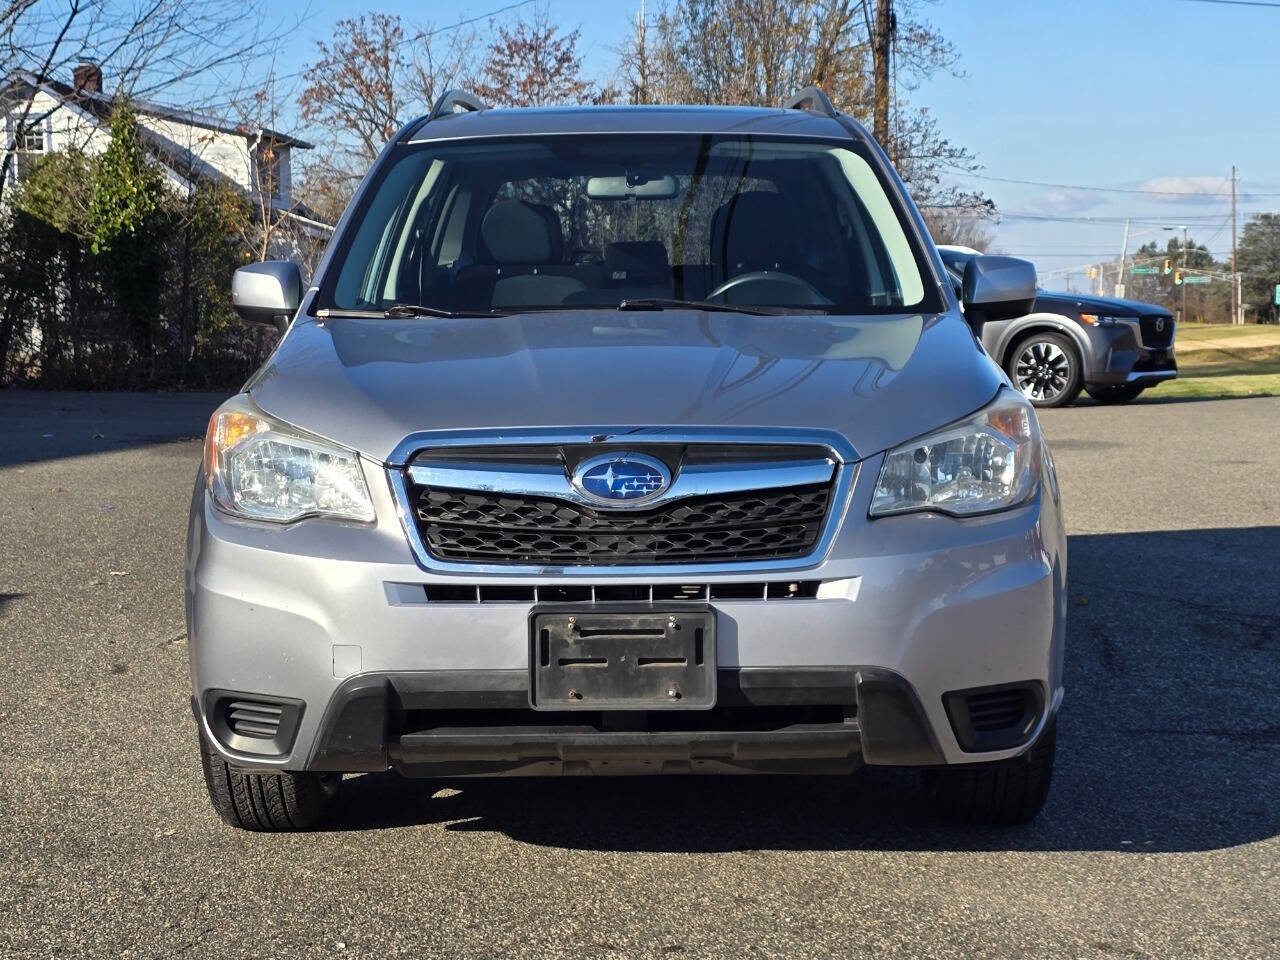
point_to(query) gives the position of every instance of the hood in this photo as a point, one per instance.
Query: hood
(1045, 301)
(369, 383)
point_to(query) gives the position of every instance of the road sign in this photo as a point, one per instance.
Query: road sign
(1192, 278)
(1144, 271)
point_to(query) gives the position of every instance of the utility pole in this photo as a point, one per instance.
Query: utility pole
(1235, 303)
(1183, 317)
(1124, 252)
(881, 46)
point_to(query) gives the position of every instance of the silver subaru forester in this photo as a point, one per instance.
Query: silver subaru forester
(623, 441)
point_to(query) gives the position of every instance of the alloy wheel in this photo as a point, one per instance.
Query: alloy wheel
(1042, 371)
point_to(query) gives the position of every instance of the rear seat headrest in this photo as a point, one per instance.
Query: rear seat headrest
(629, 257)
(515, 232)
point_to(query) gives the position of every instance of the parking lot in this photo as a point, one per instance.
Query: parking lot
(1161, 837)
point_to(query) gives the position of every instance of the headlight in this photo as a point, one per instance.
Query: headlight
(1096, 320)
(987, 462)
(262, 469)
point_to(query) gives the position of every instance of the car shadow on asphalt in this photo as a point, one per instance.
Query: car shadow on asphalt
(1157, 400)
(42, 425)
(1169, 740)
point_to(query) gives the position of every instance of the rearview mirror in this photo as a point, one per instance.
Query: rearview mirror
(997, 288)
(268, 292)
(633, 186)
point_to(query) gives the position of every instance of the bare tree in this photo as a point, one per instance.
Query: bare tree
(748, 51)
(959, 227)
(533, 64)
(759, 51)
(368, 80)
(360, 83)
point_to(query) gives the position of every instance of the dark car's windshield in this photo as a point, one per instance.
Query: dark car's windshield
(955, 260)
(590, 222)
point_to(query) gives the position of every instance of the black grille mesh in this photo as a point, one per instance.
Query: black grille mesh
(1153, 338)
(253, 718)
(479, 527)
(998, 710)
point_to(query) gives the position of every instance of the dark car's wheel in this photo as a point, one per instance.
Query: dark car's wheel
(1004, 793)
(1045, 367)
(1122, 393)
(267, 801)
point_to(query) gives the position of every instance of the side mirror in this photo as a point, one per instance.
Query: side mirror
(997, 288)
(267, 292)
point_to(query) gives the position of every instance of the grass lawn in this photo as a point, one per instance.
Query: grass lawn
(1224, 361)
(1191, 334)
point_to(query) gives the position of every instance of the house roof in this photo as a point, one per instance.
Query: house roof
(185, 163)
(189, 165)
(100, 105)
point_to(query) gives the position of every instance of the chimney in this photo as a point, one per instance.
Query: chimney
(87, 78)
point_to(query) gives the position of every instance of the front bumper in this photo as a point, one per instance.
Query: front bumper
(1121, 358)
(334, 617)
(452, 723)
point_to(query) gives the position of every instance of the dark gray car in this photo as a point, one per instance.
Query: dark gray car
(627, 441)
(1111, 348)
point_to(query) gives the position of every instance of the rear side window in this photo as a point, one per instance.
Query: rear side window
(588, 222)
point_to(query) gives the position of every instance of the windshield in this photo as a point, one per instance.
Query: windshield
(592, 222)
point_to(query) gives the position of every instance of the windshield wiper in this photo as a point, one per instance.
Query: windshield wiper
(670, 303)
(405, 310)
(418, 310)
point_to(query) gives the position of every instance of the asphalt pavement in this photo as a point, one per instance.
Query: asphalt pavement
(1161, 837)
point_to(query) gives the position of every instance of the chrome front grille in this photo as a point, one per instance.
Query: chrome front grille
(516, 508)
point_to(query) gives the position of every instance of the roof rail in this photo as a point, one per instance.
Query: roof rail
(811, 99)
(456, 101)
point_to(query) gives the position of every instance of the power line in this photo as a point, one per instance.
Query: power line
(1145, 220)
(415, 38)
(1239, 3)
(1109, 255)
(1080, 186)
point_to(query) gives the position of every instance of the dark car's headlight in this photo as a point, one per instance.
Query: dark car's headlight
(1098, 320)
(261, 469)
(986, 462)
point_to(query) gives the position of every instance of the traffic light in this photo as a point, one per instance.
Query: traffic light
(1168, 267)
(1177, 278)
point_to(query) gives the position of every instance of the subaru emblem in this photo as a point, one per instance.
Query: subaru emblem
(618, 478)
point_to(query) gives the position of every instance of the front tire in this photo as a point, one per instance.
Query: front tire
(1121, 393)
(1005, 793)
(1046, 369)
(272, 802)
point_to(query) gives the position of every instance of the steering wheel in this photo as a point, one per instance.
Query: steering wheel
(793, 290)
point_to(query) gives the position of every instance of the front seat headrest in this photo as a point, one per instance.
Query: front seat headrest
(516, 233)
(754, 231)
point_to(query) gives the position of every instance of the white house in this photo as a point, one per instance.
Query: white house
(188, 146)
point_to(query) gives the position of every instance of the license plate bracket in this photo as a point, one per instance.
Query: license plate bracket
(622, 658)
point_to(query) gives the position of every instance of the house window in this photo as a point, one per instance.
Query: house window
(27, 143)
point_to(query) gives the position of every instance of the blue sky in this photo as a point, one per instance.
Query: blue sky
(1155, 95)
